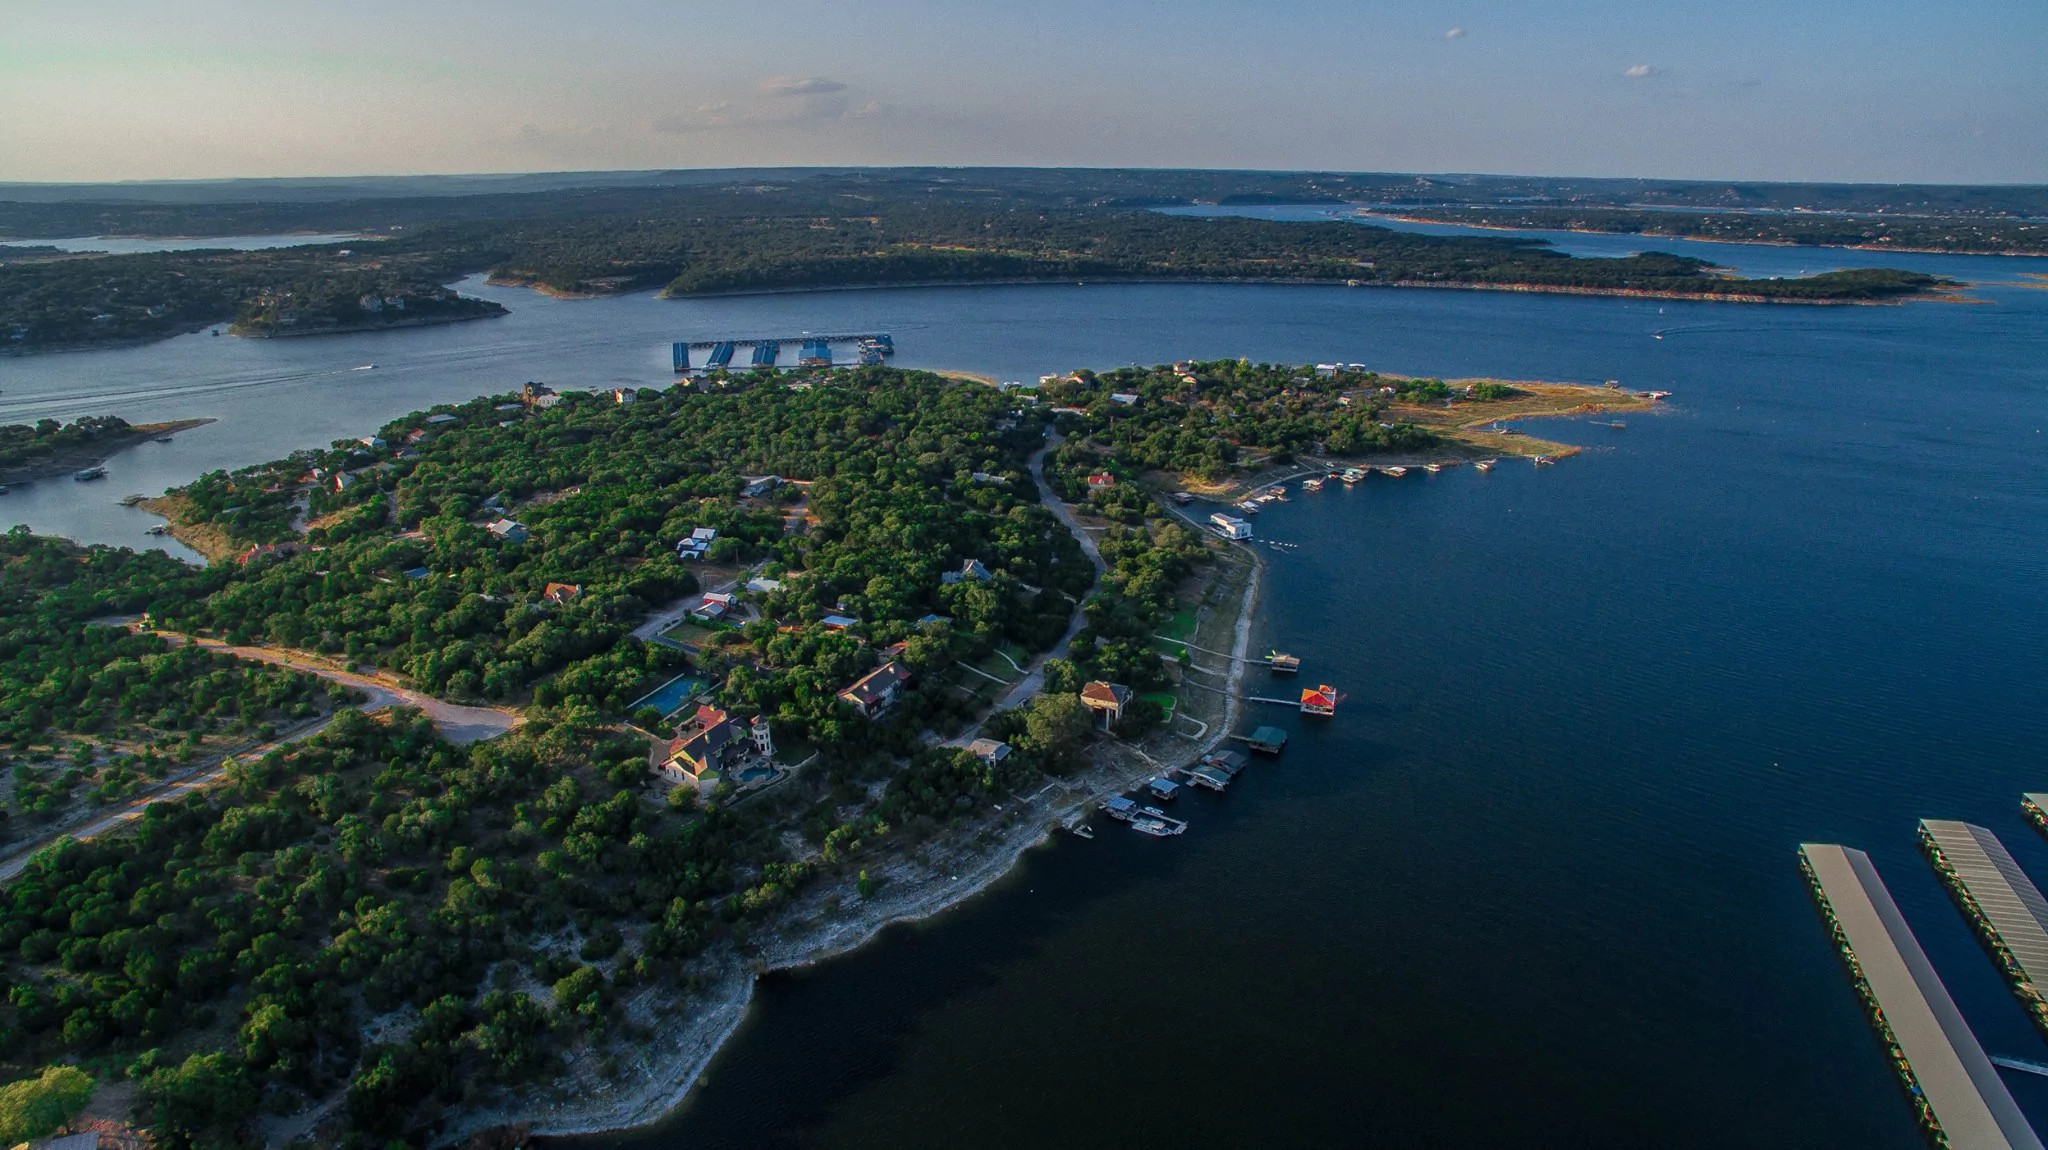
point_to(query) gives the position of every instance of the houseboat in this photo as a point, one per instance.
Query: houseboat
(1543, 461)
(1120, 808)
(1208, 777)
(1483, 464)
(1157, 828)
(1163, 789)
(90, 474)
(1311, 485)
(1351, 475)
(1432, 468)
(1282, 663)
(1396, 471)
(1321, 700)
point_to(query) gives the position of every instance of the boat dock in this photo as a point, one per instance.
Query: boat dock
(1960, 1098)
(766, 352)
(1268, 740)
(1999, 900)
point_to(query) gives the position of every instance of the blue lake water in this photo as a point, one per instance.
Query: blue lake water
(1535, 886)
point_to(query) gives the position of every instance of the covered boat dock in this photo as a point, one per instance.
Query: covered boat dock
(2000, 900)
(1961, 1099)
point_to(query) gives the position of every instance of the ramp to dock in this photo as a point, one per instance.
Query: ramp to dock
(1961, 1096)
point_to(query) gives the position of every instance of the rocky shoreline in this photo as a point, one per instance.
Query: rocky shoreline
(674, 1061)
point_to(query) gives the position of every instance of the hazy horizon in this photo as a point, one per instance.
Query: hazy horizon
(1887, 92)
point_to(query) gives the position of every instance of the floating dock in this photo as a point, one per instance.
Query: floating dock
(1959, 1096)
(763, 352)
(2035, 807)
(1999, 900)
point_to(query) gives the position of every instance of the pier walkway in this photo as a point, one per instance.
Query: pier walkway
(1961, 1096)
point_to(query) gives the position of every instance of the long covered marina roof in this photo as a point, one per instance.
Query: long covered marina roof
(2010, 905)
(1960, 1089)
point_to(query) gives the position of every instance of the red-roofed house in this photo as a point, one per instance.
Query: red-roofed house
(1107, 700)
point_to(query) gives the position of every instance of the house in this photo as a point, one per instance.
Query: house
(532, 394)
(928, 620)
(1107, 700)
(761, 586)
(559, 593)
(877, 690)
(758, 487)
(725, 598)
(416, 573)
(624, 395)
(509, 530)
(1126, 398)
(343, 480)
(697, 544)
(972, 569)
(707, 744)
(1100, 480)
(709, 612)
(267, 551)
(839, 622)
(1230, 526)
(985, 477)
(989, 751)
(441, 417)
(373, 442)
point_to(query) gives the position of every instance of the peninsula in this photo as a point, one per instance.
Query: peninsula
(715, 677)
(48, 448)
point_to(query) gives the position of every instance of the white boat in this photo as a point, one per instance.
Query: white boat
(1483, 464)
(1395, 471)
(1432, 468)
(1157, 828)
(1544, 461)
(366, 367)
(1311, 485)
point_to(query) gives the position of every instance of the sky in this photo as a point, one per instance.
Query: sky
(1841, 90)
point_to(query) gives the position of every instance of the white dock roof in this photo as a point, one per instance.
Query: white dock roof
(2010, 902)
(1962, 1088)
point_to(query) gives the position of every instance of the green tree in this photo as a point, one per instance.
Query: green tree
(40, 1106)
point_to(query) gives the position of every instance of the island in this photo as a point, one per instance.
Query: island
(49, 448)
(504, 745)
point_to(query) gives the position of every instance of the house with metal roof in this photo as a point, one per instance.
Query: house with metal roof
(877, 690)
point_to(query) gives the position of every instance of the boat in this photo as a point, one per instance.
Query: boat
(1283, 664)
(1182, 498)
(1163, 788)
(1311, 485)
(163, 439)
(1276, 493)
(1543, 461)
(1351, 475)
(3, 489)
(1397, 471)
(1483, 464)
(1616, 424)
(1154, 827)
(365, 367)
(1083, 830)
(89, 474)
(158, 529)
(1120, 808)
(1432, 468)
(1248, 507)
(132, 500)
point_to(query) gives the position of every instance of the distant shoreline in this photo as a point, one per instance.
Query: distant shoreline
(1710, 239)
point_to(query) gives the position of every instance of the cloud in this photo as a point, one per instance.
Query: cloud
(798, 86)
(1455, 34)
(1638, 71)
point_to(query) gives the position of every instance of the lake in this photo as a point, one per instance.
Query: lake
(1536, 884)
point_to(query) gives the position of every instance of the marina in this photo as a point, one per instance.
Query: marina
(1960, 1099)
(2001, 902)
(765, 352)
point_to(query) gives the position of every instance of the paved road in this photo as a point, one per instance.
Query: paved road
(1034, 679)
